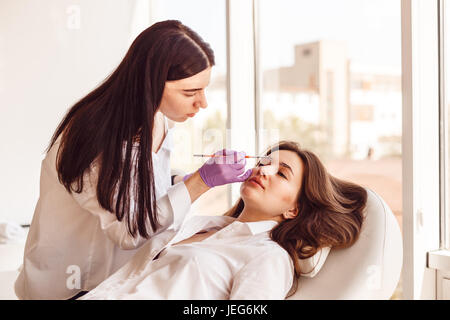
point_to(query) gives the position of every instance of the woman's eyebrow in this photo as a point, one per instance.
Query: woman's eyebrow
(287, 166)
(192, 90)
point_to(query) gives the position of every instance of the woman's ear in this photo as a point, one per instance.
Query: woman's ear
(290, 214)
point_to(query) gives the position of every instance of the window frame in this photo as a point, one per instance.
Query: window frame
(241, 122)
(443, 127)
(439, 260)
(422, 211)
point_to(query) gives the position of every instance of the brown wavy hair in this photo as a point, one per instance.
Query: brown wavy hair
(330, 211)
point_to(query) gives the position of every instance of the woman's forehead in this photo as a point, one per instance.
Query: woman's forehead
(197, 81)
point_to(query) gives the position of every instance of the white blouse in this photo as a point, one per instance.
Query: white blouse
(239, 261)
(74, 244)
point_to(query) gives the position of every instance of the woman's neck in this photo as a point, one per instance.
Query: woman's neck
(255, 214)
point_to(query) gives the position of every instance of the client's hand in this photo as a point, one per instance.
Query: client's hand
(227, 167)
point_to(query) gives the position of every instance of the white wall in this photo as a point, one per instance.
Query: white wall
(52, 53)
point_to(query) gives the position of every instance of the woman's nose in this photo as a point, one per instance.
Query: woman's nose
(259, 171)
(201, 102)
(267, 170)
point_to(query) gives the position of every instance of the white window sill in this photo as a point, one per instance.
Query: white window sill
(439, 260)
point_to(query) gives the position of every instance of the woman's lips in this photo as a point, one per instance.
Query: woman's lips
(191, 114)
(255, 181)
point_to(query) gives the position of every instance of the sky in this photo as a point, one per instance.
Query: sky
(371, 28)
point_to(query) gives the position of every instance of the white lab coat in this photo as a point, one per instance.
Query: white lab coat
(74, 244)
(239, 261)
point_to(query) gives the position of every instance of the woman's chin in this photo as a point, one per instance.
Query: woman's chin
(248, 191)
(180, 119)
(177, 118)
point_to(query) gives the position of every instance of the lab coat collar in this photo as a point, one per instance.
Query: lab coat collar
(254, 227)
(196, 223)
(261, 226)
(206, 222)
(168, 140)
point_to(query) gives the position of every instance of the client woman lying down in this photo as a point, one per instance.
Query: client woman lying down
(289, 209)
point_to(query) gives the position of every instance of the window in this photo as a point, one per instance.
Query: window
(206, 132)
(331, 80)
(445, 133)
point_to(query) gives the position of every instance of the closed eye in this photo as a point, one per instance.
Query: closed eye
(281, 174)
(191, 92)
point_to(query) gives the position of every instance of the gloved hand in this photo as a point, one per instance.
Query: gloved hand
(227, 167)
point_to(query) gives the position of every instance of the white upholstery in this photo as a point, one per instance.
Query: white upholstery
(370, 269)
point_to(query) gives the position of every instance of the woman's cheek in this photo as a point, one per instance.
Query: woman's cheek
(246, 191)
(287, 194)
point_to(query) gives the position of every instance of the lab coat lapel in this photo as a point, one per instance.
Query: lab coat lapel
(200, 223)
(153, 246)
(190, 227)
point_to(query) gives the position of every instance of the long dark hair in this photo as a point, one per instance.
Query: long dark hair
(102, 126)
(330, 211)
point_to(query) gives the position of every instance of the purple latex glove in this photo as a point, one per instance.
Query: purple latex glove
(228, 167)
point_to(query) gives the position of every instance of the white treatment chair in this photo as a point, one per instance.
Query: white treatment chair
(370, 269)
